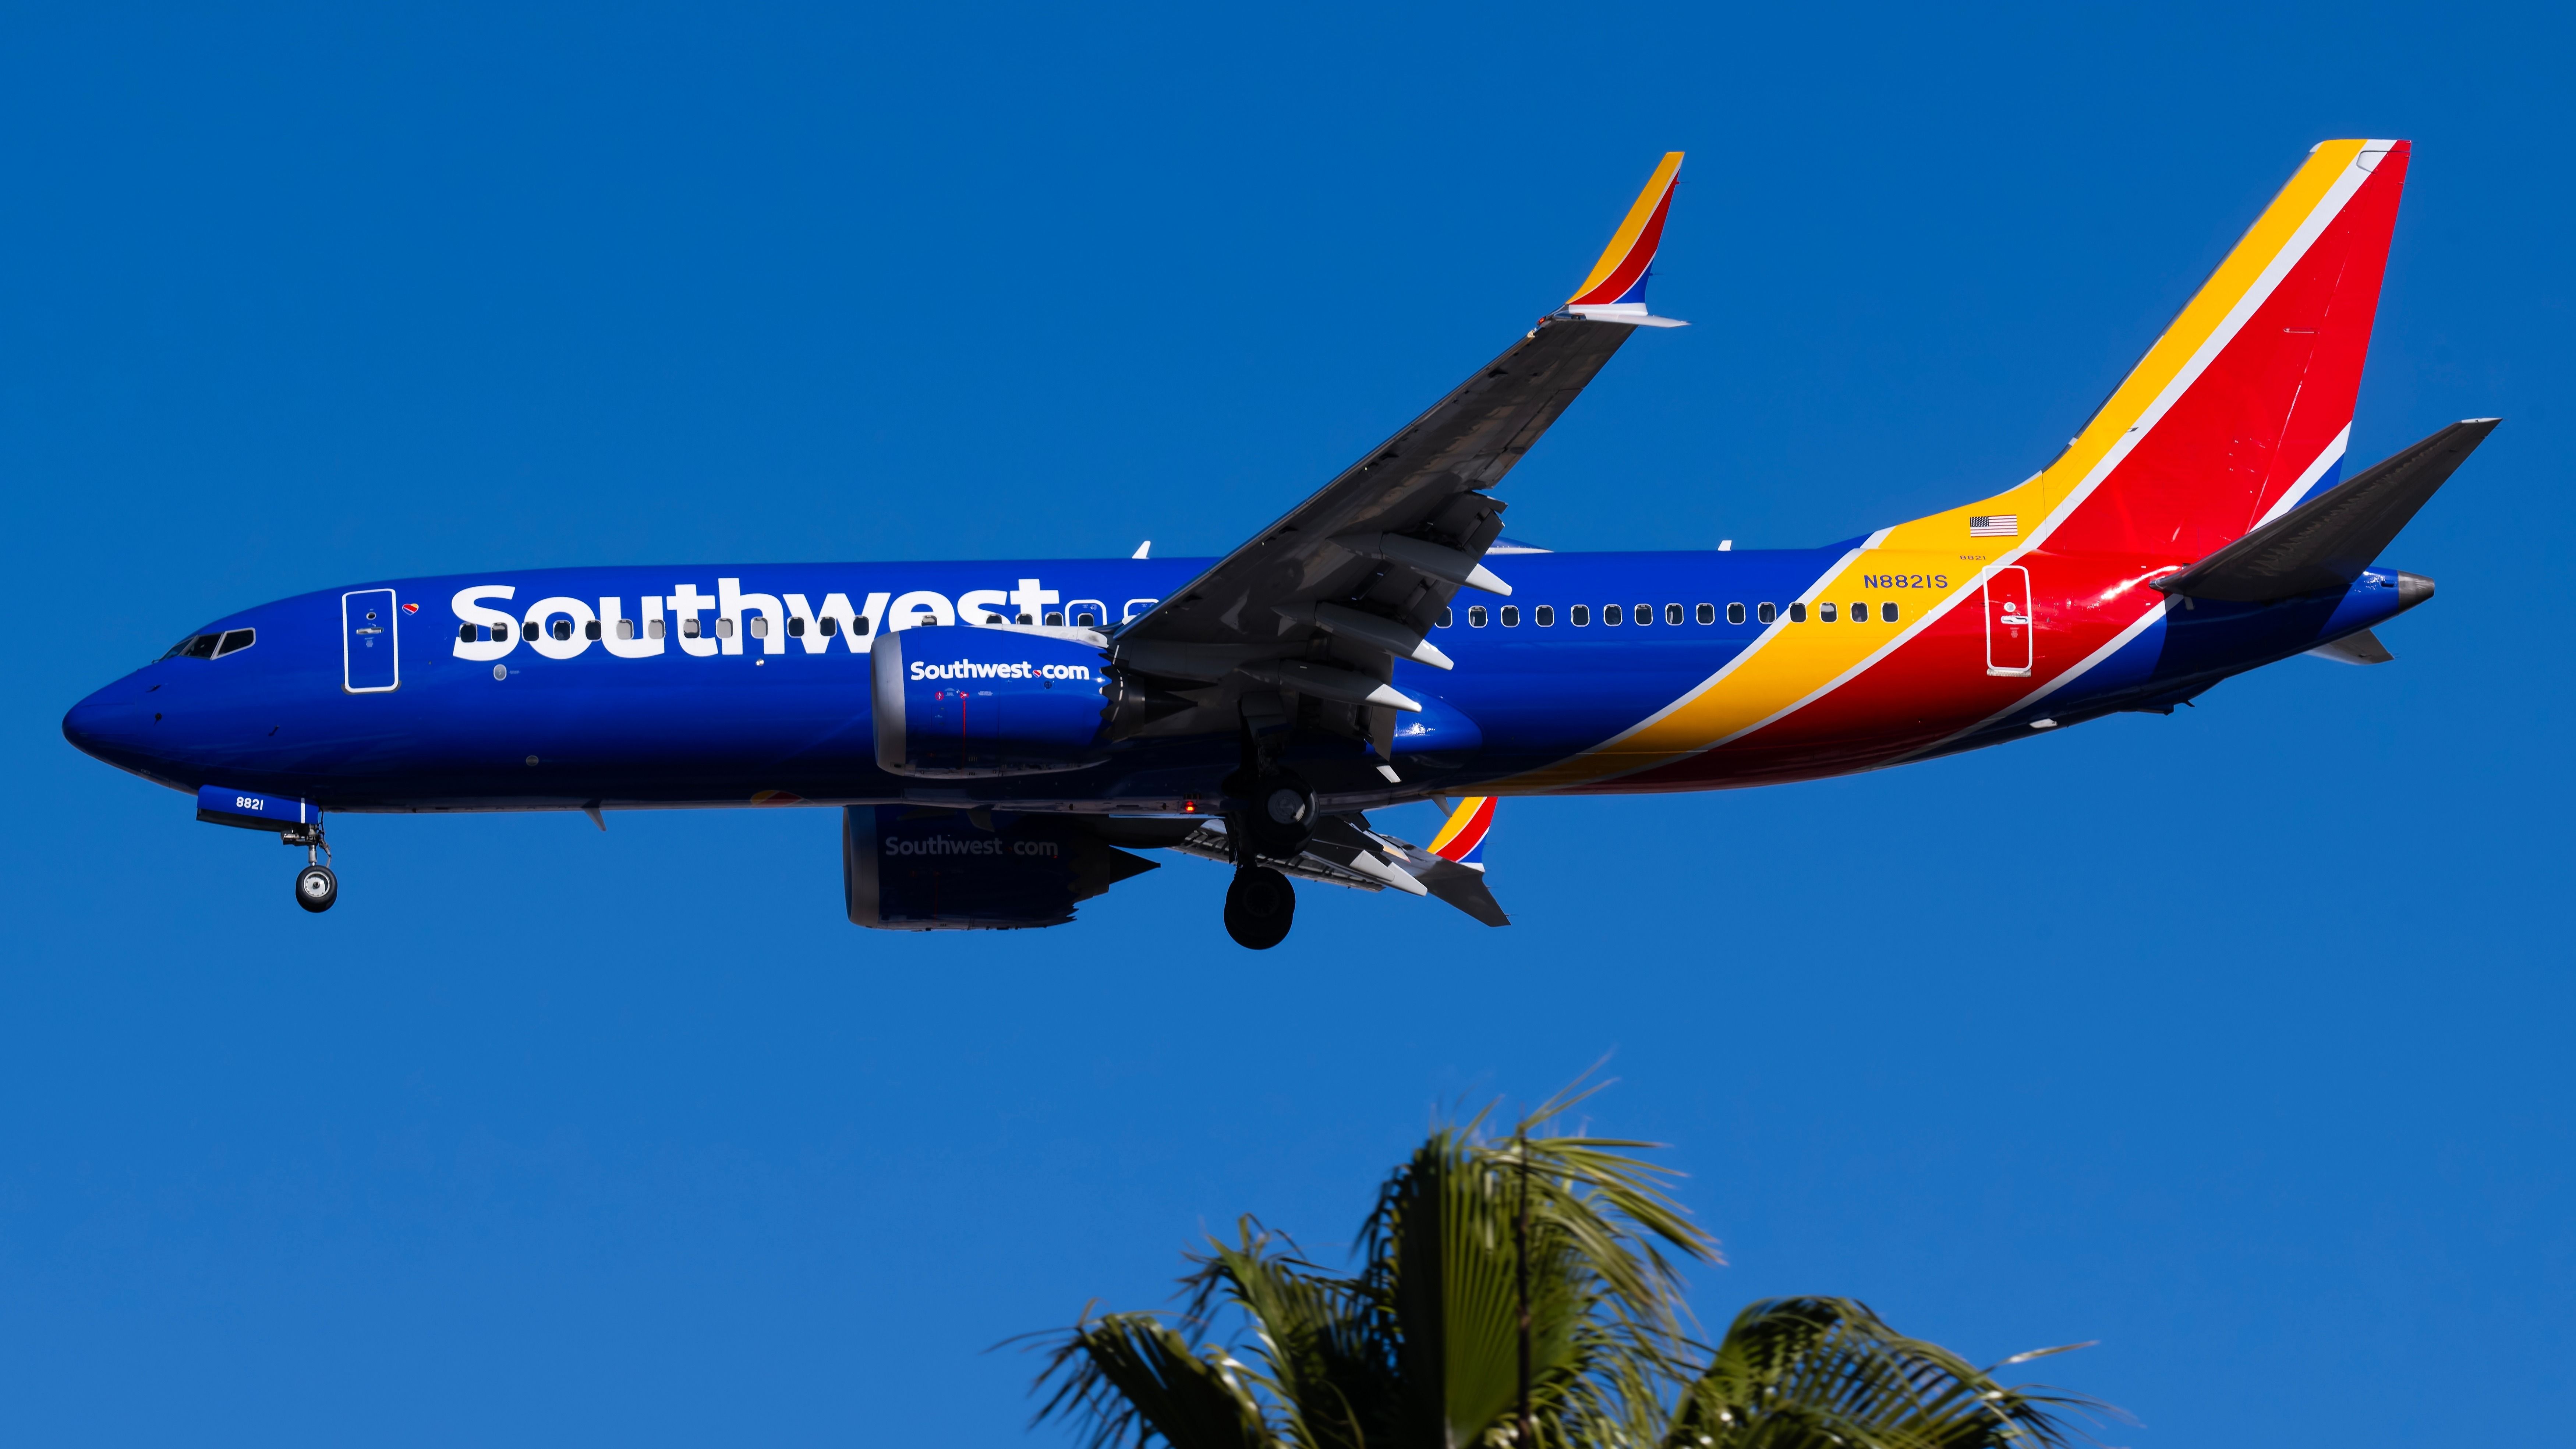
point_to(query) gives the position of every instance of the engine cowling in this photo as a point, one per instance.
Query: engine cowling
(962, 701)
(951, 870)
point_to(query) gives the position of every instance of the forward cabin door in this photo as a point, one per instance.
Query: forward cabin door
(368, 652)
(2008, 621)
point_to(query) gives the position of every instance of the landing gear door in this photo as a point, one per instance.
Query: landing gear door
(369, 660)
(2007, 602)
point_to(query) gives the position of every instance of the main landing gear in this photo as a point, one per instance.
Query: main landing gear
(1272, 817)
(1259, 907)
(316, 888)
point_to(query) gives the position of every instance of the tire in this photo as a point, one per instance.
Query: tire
(1282, 815)
(1259, 908)
(316, 888)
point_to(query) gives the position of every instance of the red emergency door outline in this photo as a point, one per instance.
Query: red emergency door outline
(2008, 621)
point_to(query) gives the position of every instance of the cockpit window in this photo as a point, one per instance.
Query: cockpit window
(235, 641)
(203, 646)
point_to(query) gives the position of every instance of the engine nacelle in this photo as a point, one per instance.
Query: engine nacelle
(949, 870)
(959, 700)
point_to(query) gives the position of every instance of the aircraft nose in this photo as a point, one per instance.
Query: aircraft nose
(111, 725)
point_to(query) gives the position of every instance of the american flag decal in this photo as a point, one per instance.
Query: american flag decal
(1993, 525)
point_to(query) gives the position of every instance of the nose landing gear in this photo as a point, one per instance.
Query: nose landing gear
(316, 888)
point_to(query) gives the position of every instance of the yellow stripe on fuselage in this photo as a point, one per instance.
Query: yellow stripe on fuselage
(1792, 664)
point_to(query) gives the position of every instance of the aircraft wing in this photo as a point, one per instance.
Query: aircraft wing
(1325, 599)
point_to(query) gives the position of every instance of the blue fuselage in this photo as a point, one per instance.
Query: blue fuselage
(426, 710)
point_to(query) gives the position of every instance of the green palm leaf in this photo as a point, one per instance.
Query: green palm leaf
(1519, 1292)
(1827, 1373)
(1130, 1379)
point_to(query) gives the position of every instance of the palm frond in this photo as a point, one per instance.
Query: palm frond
(1324, 1343)
(1461, 1236)
(1129, 1379)
(1828, 1373)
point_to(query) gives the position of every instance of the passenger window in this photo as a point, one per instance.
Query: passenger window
(1138, 606)
(1765, 613)
(1511, 616)
(796, 628)
(1055, 620)
(562, 629)
(688, 628)
(1860, 612)
(1024, 618)
(724, 628)
(1735, 613)
(760, 626)
(828, 625)
(1797, 613)
(863, 625)
(1887, 613)
(1825, 612)
(1673, 613)
(1544, 616)
(1475, 616)
(625, 628)
(653, 628)
(1707, 613)
(464, 633)
(1582, 615)
(1645, 615)
(590, 630)
(992, 618)
(1085, 619)
(1444, 618)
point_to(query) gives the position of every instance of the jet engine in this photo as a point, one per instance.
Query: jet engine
(982, 870)
(962, 701)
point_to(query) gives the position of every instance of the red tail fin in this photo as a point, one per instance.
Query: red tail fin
(2245, 404)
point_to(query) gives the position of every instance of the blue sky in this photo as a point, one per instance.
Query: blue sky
(2235, 1040)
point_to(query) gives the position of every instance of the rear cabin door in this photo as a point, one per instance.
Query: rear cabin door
(369, 662)
(2008, 621)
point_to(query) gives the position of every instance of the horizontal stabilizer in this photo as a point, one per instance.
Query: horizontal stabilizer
(2326, 542)
(1464, 887)
(2361, 648)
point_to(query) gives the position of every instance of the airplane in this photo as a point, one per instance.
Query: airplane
(1003, 738)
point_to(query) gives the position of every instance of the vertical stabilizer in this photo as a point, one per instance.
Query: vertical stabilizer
(2244, 405)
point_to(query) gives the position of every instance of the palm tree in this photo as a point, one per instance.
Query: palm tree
(1518, 1290)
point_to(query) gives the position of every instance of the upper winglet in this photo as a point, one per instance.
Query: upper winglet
(1616, 290)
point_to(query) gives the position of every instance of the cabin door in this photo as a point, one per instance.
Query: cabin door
(368, 662)
(2008, 621)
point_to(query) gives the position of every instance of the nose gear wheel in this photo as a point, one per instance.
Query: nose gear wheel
(316, 888)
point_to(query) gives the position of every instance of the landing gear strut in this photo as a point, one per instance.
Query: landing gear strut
(1259, 907)
(316, 888)
(1270, 816)
(1282, 817)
